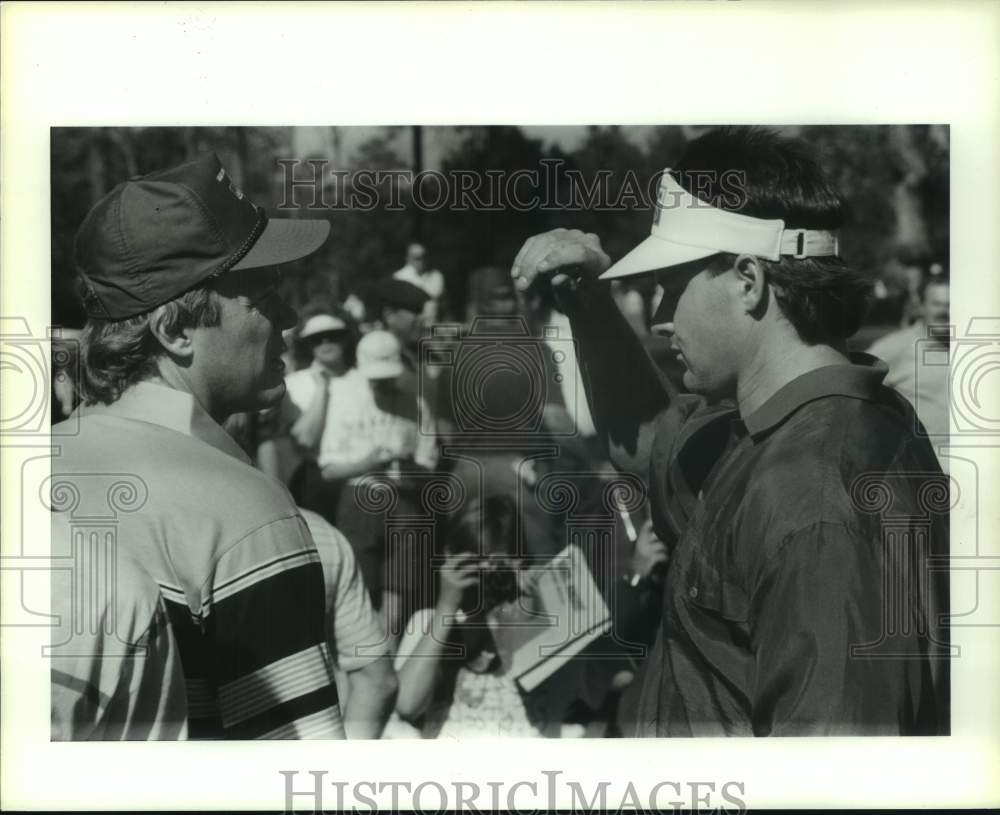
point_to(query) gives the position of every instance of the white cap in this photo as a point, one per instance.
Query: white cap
(685, 228)
(379, 356)
(320, 324)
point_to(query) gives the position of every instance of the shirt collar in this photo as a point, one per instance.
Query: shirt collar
(860, 379)
(170, 408)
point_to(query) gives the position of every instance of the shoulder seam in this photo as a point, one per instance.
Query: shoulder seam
(224, 552)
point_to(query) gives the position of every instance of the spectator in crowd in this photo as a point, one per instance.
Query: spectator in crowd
(490, 294)
(911, 270)
(309, 411)
(494, 376)
(401, 305)
(779, 567)
(402, 424)
(180, 274)
(120, 679)
(382, 428)
(417, 272)
(358, 642)
(452, 681)
(927, 386)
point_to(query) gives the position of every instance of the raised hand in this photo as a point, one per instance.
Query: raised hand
(561, 253)
(459, 572)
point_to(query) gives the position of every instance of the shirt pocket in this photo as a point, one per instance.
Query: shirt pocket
(710, 592)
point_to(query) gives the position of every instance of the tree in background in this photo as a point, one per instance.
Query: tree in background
(895, 179)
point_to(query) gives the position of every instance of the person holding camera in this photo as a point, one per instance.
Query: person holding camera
(452, 678)
(790, 475)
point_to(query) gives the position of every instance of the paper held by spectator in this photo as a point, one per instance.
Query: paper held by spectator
(563, 614)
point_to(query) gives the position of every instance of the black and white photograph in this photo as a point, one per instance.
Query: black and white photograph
(457, 435)
(436, 391)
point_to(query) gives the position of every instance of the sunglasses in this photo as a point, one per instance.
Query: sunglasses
(327, 336)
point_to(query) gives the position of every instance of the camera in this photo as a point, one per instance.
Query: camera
(498, 585)
(974, 362)
(499, 378)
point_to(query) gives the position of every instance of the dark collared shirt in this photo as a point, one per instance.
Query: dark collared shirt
(801, 597)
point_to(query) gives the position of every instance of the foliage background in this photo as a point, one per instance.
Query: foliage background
(894, 178)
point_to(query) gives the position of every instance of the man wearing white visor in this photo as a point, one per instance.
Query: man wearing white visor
(788, 481)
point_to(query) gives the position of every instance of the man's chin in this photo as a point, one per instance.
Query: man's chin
(701, 387)
(692, 383)
(271, 397)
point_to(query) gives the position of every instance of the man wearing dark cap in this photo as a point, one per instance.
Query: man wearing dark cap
(805, 516)
(401, 307)
(180, 278)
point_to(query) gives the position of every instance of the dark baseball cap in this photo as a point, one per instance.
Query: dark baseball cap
(401, 294)
(154, 237)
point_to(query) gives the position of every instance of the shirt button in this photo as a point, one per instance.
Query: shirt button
(693, 592)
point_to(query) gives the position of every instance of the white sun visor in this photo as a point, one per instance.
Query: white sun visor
(686, 228)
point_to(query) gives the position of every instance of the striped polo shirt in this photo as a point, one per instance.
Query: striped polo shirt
(354, 631)
(115, 670)
(231, 555)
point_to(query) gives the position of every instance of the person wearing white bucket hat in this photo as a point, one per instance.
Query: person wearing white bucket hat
(762, 477)
(309, 416)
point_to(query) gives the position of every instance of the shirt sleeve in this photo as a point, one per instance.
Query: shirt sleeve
(358, 636)
(434, 285)
(266, 627)
(819, 600)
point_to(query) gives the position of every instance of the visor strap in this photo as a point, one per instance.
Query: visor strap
(809, 243)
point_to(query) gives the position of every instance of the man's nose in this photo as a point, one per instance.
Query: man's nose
(663, 329)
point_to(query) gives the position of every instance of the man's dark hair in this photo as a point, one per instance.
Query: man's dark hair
(756, 172)
(116, 354)
(490, 525)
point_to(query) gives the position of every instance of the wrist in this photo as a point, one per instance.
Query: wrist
(448, 603)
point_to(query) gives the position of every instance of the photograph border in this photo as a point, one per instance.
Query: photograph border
(635, 63)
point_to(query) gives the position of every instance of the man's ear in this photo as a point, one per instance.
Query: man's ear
(176, 342)
(752, 282)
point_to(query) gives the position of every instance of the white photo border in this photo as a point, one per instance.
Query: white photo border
(102, 64)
